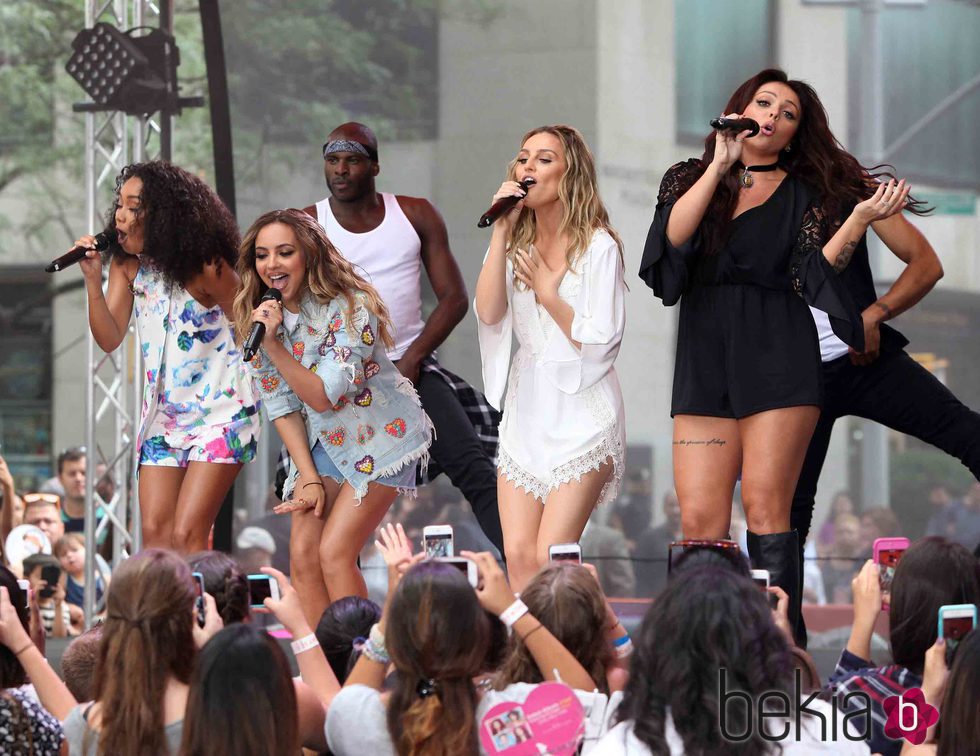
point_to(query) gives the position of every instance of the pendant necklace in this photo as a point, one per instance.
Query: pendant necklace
(746, 179)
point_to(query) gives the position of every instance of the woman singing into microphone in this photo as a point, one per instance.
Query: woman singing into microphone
(353, 426)
(554, 275)
(747, 237)
(174, 259)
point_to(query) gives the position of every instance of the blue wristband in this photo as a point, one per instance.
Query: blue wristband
(621, 641)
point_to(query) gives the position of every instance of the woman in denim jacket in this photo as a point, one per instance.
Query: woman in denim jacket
(351, 422)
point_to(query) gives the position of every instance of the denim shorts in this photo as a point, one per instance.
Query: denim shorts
(404, 479)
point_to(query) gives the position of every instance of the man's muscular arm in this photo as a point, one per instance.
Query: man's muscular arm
(445, 278)
(922, 270)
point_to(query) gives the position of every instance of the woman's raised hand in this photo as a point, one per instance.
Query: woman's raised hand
(492, 589)
(288, 608)
(728, 146)
(212, 622)
(269, 313)
(509, 189)
(889, 198)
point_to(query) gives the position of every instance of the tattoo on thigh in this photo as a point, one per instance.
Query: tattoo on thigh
(700, 442)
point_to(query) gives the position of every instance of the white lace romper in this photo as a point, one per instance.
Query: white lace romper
(563, 413)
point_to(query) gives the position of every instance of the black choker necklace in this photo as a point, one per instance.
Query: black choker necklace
(746, 179)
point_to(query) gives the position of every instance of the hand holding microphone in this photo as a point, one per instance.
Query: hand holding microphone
(508, 197)
(99, 242)
(731, 130)
(266, 318)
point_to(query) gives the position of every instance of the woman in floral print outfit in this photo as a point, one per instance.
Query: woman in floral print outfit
(174, 261)
(351, 422)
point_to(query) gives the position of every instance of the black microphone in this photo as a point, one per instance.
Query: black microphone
(102, 242)
(736, 125)
(255, 336)
(504, 204)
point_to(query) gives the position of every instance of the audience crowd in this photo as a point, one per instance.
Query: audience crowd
(437, 665)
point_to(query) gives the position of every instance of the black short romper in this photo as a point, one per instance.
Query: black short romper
(746, 341)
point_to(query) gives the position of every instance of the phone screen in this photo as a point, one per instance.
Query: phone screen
(955, 628)
(761, 582)
(887, 560)
(259, 589)
(439, 546)
(566, 556)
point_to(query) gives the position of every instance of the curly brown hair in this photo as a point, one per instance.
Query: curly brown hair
(185, 224)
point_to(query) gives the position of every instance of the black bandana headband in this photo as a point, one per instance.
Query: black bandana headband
(348, 145)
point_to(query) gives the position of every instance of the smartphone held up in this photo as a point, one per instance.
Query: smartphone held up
(955, 621)
(261, 587)
(437, 541)
(565, 552)
(887, 552)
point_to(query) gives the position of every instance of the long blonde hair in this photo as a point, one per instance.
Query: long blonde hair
(582, 210)
(328, 274)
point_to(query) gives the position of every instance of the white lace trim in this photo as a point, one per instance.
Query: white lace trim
(609, 448)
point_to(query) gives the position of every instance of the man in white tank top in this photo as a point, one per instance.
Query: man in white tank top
(391, 238)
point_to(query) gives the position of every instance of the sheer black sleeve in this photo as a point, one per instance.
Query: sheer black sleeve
(666, 268)
(815, 279)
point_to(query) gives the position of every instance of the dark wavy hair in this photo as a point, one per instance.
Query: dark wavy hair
(226, 581)
(933, 572)
(437, 631)
(185, 224)
(816, 157)
(241, 698)
(568, 601)
(959, 729)
(340, 625)
(707, 618)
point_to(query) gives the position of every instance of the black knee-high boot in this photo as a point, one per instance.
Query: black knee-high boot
(779, 553)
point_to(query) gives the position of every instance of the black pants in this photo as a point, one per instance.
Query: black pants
(460, 454)
(897, 392)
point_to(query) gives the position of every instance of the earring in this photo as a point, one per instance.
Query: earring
(787, 148)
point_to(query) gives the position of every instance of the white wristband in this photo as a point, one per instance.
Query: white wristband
(514, 612)
(304, 644)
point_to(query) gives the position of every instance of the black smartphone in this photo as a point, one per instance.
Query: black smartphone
(199, 598)
(50, 574)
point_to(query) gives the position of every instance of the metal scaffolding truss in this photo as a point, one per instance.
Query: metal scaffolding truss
(113, 396)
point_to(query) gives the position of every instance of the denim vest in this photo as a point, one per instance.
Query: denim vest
(376, 425)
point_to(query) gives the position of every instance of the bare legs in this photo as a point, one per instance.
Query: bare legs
(178, 505)
(323, 553)
(709, 452)
(530, 528)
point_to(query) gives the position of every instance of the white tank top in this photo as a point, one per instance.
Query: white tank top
(391, 258)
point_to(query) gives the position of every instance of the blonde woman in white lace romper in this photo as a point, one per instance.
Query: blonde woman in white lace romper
(554, 275)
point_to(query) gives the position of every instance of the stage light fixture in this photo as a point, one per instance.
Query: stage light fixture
(120, 71)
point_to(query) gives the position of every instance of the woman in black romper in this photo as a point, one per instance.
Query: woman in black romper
(751, 234)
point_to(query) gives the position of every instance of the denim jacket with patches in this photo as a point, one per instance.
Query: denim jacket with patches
(376, 424)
